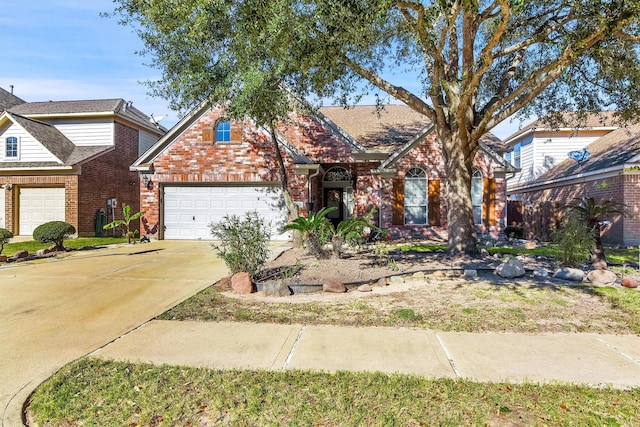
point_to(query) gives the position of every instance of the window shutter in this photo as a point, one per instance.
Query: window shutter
(397, 202)
(207, 135)
(434, 202)
(236, 132)
(489, 199)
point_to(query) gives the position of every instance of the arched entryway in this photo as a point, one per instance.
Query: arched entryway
(337, 191)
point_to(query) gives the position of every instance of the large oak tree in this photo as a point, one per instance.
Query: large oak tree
(474, 63)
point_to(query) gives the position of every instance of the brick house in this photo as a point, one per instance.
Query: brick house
(354, 159)
(611, 171)
(64, 160)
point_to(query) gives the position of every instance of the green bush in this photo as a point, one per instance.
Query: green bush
(574, 241)
(55, 232)
(244, 242)
(315, 229)
(5, 235)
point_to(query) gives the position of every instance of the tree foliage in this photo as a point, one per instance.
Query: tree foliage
(467, 65)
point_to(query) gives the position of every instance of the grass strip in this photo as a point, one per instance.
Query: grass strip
(108, 393)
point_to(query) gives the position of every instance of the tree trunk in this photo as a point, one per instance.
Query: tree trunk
(458, 168)
(598, 259)
(292, 208)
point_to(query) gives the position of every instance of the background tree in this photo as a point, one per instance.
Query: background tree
(472, 63)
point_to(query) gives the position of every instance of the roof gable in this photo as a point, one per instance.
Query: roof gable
(8, 100)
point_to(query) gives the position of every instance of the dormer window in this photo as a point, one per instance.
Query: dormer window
(223, 131)
(11, 148)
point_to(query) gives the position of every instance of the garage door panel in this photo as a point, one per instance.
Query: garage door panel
(189, 211)
(39, 205)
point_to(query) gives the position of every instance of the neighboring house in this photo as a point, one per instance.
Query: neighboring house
(66, 160)
(355, 159)
(542, 145)
(611, 171)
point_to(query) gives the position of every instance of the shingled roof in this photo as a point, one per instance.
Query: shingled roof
(378, 129)
(89, 107)
(8, 100)
(569, 121)
(614, 149)
(53, 140)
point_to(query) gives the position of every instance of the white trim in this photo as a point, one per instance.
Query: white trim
(573, 179)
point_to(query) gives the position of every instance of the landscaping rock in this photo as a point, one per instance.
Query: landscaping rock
(601, 277)
(531, 244)
(439, 273)
(470, 274)
(225, 283)
(3, 258)
(565, 273)
(21, 254)
(418, 275)
(382, 282)
(511, 269)
(629, 282)
(334, 286)
(241, 283)
(396, 279)
(540, 272)
(365, 288)
(484, 252)
(497, 255)
(276, 288)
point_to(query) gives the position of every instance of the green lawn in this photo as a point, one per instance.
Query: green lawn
(33, 246)
(107, 393)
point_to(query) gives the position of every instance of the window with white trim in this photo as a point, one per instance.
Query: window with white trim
(11, 148)
(223, 131)
(516, 155)
(477, 193)
(415, 197)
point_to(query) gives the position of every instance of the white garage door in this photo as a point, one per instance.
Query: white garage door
(188, 211)
(39, 205)
(3, 224)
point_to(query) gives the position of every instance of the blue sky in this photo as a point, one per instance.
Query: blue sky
(64, 50)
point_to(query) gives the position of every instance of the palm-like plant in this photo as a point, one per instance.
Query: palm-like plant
(351, 230)
(313, 228)
(125, 222)
(592, 214)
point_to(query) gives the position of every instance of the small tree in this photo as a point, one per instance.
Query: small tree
(315, 229)
(5, 235)
(592, 214)
(125, 222)
(54, 232)
(574, 241)
(244, 242)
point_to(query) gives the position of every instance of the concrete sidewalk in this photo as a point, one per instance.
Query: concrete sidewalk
(589, 359)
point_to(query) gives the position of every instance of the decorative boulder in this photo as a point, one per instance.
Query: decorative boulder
(241, 283)
(629, 282)
(382, 282)
(396, 279)
(439, 273)
(334, 286)
(540, 272)
(573, 274)
(511, 269)
(470, 274)
(3, 258)
(365, 288)
(418, 275)
(601, 277)
(21, 254)
(531, 244)
(276, 288)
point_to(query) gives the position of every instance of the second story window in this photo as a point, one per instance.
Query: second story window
(223, 132)
(11, 148)
(516, 155)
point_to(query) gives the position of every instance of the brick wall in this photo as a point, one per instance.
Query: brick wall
(543, 213)
(109, 176)
(14, 183)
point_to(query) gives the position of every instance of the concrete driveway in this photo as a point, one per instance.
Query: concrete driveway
(55, 311)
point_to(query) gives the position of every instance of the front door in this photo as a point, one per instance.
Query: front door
(333, 197)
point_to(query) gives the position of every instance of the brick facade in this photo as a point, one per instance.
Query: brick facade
(192, 157)
(87, 186)
(543, 208)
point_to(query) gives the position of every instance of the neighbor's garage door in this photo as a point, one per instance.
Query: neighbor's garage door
(39, 205)
(188, 211)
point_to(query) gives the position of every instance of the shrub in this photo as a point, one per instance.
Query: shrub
(244, 242)
(574, 241)
(316, 230)
(514, 232)
(126, 223)
(55, 232)
(352, 231)
(5, 235)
